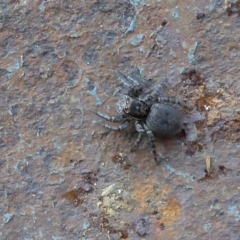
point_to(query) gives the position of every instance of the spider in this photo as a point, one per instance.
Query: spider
(152, 114)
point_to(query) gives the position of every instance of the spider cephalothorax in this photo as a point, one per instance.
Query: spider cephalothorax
(151, 114)
(133, 108)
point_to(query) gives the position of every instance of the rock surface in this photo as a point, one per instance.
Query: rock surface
(65, 177)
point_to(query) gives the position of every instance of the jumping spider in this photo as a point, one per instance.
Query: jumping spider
(151, 114)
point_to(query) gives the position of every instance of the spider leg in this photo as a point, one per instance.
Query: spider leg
(170, 100)
(135, 91)
(140, 131)
(123, 126)
(126, 80)
(153, 95)
(139, 127)
(133, 80)
(152, 140)
(117, 118)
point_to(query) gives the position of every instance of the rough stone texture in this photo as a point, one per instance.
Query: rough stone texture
(65, 177)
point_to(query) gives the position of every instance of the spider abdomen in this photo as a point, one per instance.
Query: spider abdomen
(164, 120)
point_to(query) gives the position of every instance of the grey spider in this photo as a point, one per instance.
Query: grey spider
(152, 114)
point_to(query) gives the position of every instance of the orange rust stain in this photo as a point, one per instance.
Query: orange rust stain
(148, 198)
(72, 196)
(169, 215)
(142, 193)
(145, 194)
(204, 102)
(170, 212)
(211, 101)
(69, 155)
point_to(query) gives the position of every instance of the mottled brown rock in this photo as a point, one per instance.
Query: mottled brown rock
(62, 175)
